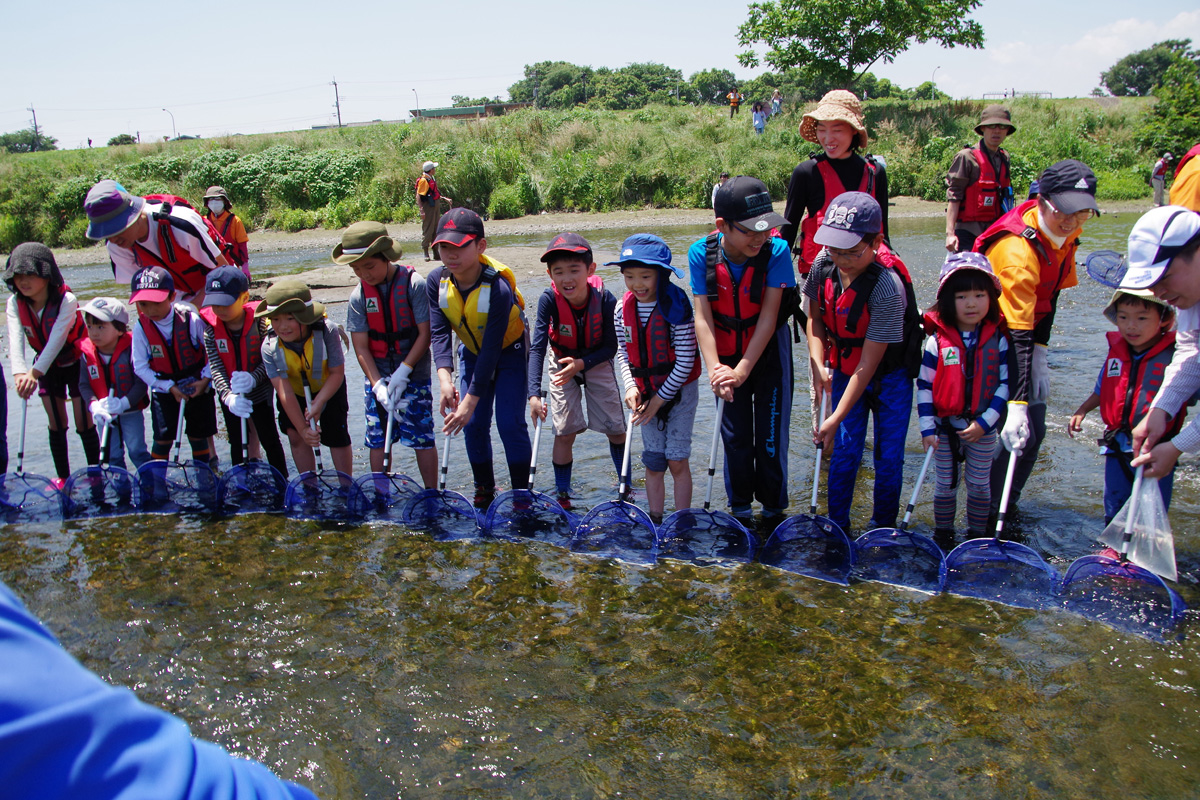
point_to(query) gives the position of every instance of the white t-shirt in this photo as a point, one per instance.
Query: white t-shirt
(203, 249)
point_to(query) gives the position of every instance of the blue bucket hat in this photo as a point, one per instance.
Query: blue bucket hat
(110, 209)
(647, 250)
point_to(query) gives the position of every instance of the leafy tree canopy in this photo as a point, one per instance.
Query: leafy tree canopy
(26, 141)
(1173, 124)
(840, 39)
(462, 101)
(121, 138)
(711, 85)
(1138, 73)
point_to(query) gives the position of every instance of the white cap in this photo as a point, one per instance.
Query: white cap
(107, 309)
(428, 165)
(1160, 235)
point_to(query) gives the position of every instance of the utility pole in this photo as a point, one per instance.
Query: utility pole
(337, 102)
(36, 136)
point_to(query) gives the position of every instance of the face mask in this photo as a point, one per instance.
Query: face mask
(216, 206)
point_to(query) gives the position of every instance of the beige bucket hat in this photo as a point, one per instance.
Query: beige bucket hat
(363, 239)
(836, 106)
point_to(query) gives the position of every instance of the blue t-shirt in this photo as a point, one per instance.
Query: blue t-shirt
(780, 273)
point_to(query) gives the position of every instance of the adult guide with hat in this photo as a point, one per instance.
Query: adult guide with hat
(219, 211)
(429, 205)
(837, 125)
(387, 318)
(978, 184)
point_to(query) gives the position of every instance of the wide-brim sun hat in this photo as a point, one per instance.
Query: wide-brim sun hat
(291, 296)
(365, 239)
(836, 106)
(1110, 310)
(957, 262)
(995, 115)
(215, 192)
(110, 209)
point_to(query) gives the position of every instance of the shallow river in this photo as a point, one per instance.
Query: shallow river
(373, 662)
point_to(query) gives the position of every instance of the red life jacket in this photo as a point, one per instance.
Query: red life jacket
(238, 353)
(37, 331)
(833, 187)
(577, 341)
(1052, 275)
(433, 194)
(179, 359)
(187, 272)
(391, 324)
(1188, 156)
(966, 380)
(1127, 389)
(985, 197)
(116, 377)
(651, 357)
(735, 307)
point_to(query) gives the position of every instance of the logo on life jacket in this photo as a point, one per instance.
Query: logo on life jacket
(156, 351)
(950, 356)
(1113, 370)
(93, 372)
(222, 345)
(566, 329)
(372, 305)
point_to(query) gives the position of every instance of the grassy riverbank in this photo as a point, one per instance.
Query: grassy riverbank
(531, 161)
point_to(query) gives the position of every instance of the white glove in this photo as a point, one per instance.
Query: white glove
(115, 406)
(380, 390)
(100, 415)
(239, 405)
(1015, 434)
(396, 386)
(241, 383)
(1039, 378)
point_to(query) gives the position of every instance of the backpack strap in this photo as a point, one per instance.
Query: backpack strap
(712, 254)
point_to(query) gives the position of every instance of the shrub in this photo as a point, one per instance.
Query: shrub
(506, 203)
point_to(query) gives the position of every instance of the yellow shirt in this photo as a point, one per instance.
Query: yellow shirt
(1016, 264)
(1185, 191)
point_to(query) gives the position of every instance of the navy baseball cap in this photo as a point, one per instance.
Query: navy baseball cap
(646, 250)
(1070, 186)
(850, 218)
(746, 201)
(154, 284)
(567, 242)
(224, 286)
(459, 226)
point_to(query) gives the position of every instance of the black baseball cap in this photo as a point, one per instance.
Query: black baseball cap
(567, 242)
(1070, 186)
(745, 200)
(459, 226)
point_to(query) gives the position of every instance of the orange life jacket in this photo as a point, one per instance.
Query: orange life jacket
(178, 359)
(735, 307)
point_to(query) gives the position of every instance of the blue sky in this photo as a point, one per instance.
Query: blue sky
(92, 70)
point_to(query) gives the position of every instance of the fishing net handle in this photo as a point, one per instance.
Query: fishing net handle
(822, 412)
(1013, 457)
(912, 501)
(1134, 497)
(312, 421)
(24, 424)
(445, 462)
(712, 451)
(537, 439)
(623, 486)
(177, 445)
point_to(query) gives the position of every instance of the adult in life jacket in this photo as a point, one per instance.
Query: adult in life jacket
(739, 276)
(142, 234)
(836, 124)
(218, 210)
(1032, 250)
(978, 186)
(860, 328)
(429, 205)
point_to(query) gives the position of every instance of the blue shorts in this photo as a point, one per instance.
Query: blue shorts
(413, 428)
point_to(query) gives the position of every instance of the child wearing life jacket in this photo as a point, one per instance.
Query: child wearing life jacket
(388, 321)
(1139, 352)
(303, 349)
(44, 312)
(140, 233)
(575, 318)
(219, 211)
(168, 355)
(837, 126)
(475, 298)
(857, 322)
(107, 383)
(659, 364)
(738, 275)
(962, 389)
(233, 342)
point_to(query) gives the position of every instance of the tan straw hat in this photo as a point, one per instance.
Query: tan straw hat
(836, 106)
(363, 239)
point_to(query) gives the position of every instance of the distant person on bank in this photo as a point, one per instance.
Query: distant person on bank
(776, 102)
(429, 204)
(735, 99)
(978, 186)
(1158, 177)
(219, 211)
(716, 186)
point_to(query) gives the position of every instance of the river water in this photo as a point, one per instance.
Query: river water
(372, 662)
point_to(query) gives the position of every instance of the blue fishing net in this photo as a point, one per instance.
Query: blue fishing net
(386, 495)
(1121, 595)
(444, 514)
(326, 495)
(900, 558)
(617, 530)
(252, 487)
(170, 487)
(1106, 267)
(97, 491)
(25, 497)
(705, 537)
(521, 514)
(1003, 572)
(812, 546)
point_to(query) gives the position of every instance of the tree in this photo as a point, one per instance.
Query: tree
(1173, 124)
(1138, 73)
(711, 85)
(462, 101)
(27, 141)
(121, 138)
(553, 84)
(839, 40)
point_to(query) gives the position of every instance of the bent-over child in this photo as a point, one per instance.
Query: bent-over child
(107, 383)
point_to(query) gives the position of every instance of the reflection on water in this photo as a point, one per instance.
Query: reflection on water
(374, 662)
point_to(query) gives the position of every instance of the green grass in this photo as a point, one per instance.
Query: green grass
(533, 160)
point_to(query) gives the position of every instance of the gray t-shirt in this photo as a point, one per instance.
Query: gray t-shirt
(356, 322)
(334, 356)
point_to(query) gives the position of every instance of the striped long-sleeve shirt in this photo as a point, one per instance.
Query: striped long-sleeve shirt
(929, 421)
(683, 342)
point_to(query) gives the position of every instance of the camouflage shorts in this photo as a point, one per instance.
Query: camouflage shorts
(412, 428)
